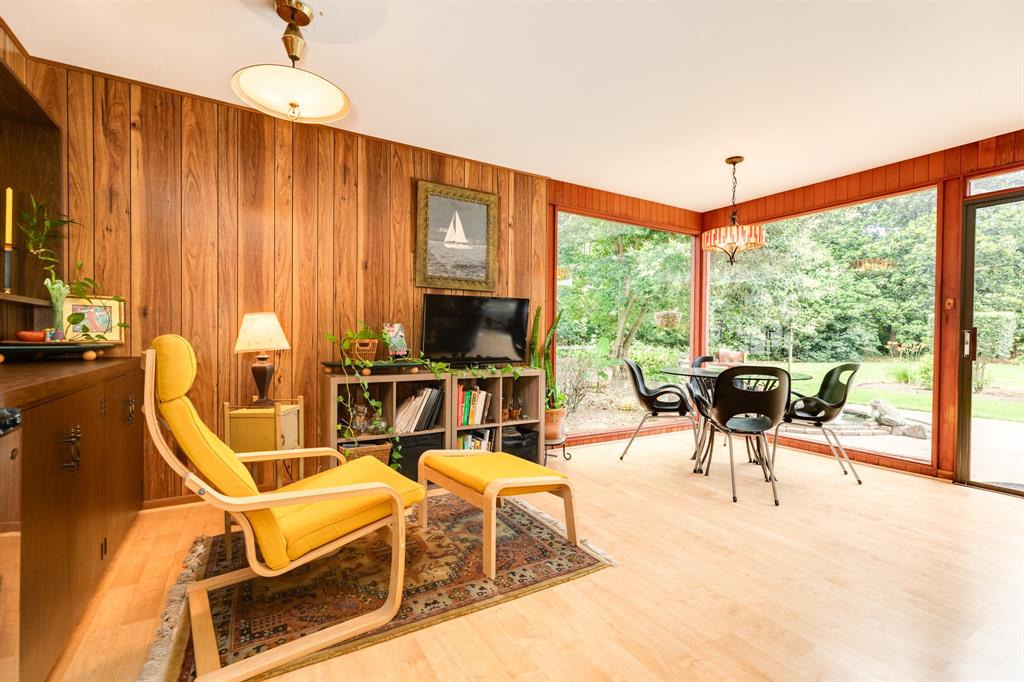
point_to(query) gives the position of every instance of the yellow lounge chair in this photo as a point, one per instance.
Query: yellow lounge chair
(292, 525)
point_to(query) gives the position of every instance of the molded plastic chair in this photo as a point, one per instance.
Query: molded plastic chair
(748, 401)
(291, 526)
(668, 399)
(826, 406)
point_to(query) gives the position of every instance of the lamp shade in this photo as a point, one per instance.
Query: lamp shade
(260, 332)
(732, 239)
(290, 93)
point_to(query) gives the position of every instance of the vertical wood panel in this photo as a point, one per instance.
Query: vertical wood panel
(199, 261)
(305, 281)
(112, 194)
(326, 280)
(156, 285)
(227, 259)
(81, 173)
(283, 249)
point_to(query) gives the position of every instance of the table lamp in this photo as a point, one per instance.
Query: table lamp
(259, 333)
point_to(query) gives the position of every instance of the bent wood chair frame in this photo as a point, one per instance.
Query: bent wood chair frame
(487, 501)
(208, 666)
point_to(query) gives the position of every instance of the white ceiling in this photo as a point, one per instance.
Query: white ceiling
(642, 98)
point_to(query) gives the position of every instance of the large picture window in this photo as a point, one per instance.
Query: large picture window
(849, 284)
(623, 292)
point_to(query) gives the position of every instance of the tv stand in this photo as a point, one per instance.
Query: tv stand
(393, 389)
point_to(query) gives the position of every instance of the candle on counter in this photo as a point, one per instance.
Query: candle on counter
(9, 218)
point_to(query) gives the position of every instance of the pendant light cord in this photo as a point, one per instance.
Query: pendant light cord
(734, 194)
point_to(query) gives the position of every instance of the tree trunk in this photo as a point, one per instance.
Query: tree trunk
(789, 362)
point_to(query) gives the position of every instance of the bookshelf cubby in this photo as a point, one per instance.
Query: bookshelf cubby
(526, 391)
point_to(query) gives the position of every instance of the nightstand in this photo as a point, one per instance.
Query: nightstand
(256, 428)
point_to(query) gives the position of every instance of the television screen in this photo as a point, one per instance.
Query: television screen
(465, 330)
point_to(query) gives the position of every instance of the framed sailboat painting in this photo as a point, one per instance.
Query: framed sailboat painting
(456, 237)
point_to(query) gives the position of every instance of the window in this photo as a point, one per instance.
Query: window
(850, 284)
(623, 291)
(995, 183)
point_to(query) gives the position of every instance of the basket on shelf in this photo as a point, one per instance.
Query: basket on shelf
(381, 452)
(364, 349)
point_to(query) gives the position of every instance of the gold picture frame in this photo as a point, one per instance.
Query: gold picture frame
(456, 237)
(104, 316)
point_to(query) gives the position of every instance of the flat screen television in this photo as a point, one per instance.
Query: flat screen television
(466, 330)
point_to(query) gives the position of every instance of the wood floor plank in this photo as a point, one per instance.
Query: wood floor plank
(839, 582)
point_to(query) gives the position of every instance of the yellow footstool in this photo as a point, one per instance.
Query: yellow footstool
(481, 479)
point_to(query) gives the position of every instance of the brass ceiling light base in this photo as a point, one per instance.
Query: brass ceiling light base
(294, 43)
(733, 160)
(294, 12)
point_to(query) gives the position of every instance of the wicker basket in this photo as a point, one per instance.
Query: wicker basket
(364, 349)
(381, 452)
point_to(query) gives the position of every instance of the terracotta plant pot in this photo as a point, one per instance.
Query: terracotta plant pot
(554, 424)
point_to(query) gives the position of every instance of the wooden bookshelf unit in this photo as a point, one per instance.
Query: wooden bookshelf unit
(522, 436)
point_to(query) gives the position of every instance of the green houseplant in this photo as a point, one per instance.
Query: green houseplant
(542, 352)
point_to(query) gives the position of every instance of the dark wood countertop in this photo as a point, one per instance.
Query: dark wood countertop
(23, 385)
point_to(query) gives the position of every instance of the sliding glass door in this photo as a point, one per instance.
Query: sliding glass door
(991, 370)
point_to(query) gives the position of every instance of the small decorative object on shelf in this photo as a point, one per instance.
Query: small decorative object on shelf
(31, 336)
(394, 332)
(377, 426)
(94, 317)
(360, 420)
(259, 333)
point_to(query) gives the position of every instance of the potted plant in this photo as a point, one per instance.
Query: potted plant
(542, 356)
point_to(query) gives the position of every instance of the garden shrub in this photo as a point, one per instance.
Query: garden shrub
(653, 358)
(924, 371)
(995, 334)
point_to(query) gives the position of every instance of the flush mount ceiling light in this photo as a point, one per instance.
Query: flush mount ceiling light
(289, 92)
(733, 238)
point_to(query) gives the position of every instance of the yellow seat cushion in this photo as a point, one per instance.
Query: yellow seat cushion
(308, 526)
(477, 471)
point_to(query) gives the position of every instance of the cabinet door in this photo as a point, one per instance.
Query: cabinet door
(122, 481)
(46, 484)
(86, 521)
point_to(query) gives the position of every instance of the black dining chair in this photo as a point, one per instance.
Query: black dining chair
(658, 401)
(696, 386)
(748, 401)
(826, 406)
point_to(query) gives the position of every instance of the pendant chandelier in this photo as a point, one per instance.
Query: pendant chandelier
(733, 238)
(289, 92)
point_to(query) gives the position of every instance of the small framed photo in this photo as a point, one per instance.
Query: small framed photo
(456, 237)
(97, 318)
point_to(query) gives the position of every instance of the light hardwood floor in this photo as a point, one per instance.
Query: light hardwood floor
(901, 578)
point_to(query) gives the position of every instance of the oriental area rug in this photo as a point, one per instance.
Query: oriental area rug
(444, 579)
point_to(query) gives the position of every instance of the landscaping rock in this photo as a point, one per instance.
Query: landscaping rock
(887, 413)
(922, 431)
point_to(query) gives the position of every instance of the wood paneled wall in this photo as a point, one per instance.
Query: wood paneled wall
(198, 212)
(586, 200)
(947, 171)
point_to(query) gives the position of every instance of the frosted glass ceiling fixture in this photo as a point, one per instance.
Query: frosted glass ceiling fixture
(289, 92)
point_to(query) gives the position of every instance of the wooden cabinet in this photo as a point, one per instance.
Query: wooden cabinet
(266, 427)
(80, 487)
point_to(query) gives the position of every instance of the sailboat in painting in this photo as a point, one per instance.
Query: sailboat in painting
(455, 237)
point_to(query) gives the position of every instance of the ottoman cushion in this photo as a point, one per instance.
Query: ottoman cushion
(477, 471)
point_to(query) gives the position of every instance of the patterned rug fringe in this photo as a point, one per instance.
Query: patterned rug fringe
(560, 527)
(172, 632)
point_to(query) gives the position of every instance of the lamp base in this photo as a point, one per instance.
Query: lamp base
(262, 373)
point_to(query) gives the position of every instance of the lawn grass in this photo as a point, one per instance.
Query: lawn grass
(1005, 377)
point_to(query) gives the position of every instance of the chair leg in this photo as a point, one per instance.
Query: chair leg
(711, 451)
(565, 492)
(490, 536)
(700, 441)
(228, 548)
(849, 463)
(771, 470)
(633, 437)
(732, 470)
(832, 447)
(698, 454)
(421, 509)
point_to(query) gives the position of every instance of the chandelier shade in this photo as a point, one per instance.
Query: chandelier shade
(733, 239)
(290, 93)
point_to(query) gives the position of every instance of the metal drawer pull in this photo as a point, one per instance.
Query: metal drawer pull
(72, 440)
(130, 404)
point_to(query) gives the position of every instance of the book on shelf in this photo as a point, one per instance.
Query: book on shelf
(418, 411)
(475, 404)
(482, 439)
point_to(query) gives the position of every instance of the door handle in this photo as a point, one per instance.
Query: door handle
(970, 349)
(75, 460)
(130, 404)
